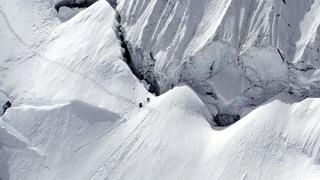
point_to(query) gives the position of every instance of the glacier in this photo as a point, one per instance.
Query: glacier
(76, 78)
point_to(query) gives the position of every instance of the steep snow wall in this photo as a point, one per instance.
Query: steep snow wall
(235, 54)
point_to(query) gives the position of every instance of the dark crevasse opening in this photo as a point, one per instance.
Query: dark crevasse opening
(73, 4)
(153, 85)
(80, 3)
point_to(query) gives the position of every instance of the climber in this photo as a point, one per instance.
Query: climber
(6, 106)
(148, 99)
(140, 105)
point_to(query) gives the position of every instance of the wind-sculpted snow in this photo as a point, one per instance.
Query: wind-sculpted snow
(253, 49)
(169, 138)
(174, 141)
(53, 139)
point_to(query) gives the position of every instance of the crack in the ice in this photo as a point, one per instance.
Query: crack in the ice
(153, 86)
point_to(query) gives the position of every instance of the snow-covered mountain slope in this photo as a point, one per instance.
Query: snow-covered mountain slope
(79, 59)
(235, 54)
(76, 112)
(53, 139)
(168, 139)
(176, 142)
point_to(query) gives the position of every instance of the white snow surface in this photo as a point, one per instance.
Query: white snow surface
(77, 60)
(75, 111)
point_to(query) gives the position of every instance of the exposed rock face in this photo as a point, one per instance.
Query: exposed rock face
(225, 119)
(234, 54)
(73, 4)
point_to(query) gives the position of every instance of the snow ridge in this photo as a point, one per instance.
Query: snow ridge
(76, 104)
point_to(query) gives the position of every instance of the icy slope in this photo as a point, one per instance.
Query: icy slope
(78, 59)
(49, 64)
(174, 141)
(253, 48)
(169, 138)
(57, 141)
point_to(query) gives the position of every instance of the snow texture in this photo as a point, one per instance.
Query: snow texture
(75, 100)
(235, 54)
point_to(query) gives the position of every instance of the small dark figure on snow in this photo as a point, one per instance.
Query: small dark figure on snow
(6, 106)
(172, 86)
(148, 99)
(140, 105)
